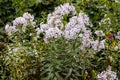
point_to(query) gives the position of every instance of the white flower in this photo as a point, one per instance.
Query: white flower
(80, 35)
(71, 30)
(71, 34)
(84, 19)
(28, 16)
(69, 26)
(65, 9)
(44, 27)
(99, 33)
(80, 19)
(20, 24)
(116, 48)
(95, 45)
(55, 21)
(10, 29)
(38, 30)
(98, 45)
(58, 23)
(20, 21)
(102, 75)
(87, 33)
(67, 34)
(52, 33)
(86, 42)
(118, 35)
(112, 75)
(73, 20)
(107, 75)
(50, 19)
(77, 25)
(101, 45)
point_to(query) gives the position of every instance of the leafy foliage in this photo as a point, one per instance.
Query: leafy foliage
(22, 57)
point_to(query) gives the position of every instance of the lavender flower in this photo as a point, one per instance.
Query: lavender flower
(72, 29)
(107, 75)
(52, 33)
(20, 21)
(10, 29)
(118, 35)
(28, 16)
(98, 45)
(65, 9)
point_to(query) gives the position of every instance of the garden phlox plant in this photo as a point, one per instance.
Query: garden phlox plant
(63, 23)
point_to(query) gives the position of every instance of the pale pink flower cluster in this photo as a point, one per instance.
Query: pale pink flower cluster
(72, 28)
(10, 29)
(77, 25)
(54, 21)
(52, 33)
(20, 21)
(94, 44)
(98, 45)
(65, 9)
(75, 28)
(28, 16)
(25, 20)
(118, 35)
(107, 75)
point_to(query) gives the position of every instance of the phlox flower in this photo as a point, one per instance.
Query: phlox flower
(28, 16)
(10, 29)
(20, 21)
(118, 35)
(107, 75)
(99, 33)
(52, 33)
(86, 42)
(101, 45)
(87, 33)
(98, 45)
(95, 44)
(65, 9)
(71, 30)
